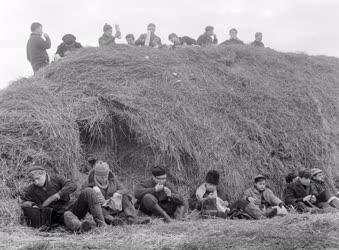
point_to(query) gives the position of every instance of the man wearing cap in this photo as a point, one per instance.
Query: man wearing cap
(150, 39)
(208, 38)
(234, 40)
(262, 201)
(107, 39)
(157, 196)
(181, 41)
(54, 192)
(258, 40)
(68, 45)
(300, 194)
(114, 198)
(320, 189)
(37, 47)
(208, 198)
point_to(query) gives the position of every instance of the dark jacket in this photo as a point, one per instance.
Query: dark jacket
(114, 185)
(295, 193)
(63, 48)
(257, 44)
(155, 41)
(148, 187)
(232, 42)
(54, 184)
(206, 40)
(186, 40)
(106, 40)
(36, 49)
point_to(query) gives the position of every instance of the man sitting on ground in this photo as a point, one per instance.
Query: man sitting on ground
(262, 201)
(208, 38)
(54, 192)
(258, 40)
(114, 198)
(157, 196)
(68, 45)
(130, 39)
(181, 41)
(107, 39)
(300, 194)
(234, 40)
(149, 39)
(320, 189)
(207, 197)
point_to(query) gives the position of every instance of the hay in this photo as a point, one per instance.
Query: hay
(241, 110)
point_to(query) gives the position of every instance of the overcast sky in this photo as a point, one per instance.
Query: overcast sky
(309, 26)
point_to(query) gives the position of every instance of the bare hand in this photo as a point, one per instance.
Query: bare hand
(46, 35)
(51, 199)
(168, 191)
(159, 188)
(307, 198)
(251, 199)
(313, 199)
(27, 204)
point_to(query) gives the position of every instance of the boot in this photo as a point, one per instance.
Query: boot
(71, 221)
(98, 217)
(272, 213)
(335, 203)
(113, 221)
(85, 226)
(138, 220)
(158, 210)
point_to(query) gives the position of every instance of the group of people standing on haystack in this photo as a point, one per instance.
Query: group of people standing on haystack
(111, 203)
(37, 46)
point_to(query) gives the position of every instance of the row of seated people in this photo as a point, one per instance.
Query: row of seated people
(111, 203)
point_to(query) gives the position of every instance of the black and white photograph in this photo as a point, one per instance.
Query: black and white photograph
(169, 125)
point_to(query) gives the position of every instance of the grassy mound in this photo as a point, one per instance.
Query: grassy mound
(241, 110)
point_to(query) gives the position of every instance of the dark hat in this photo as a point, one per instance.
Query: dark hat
(34, 168)
(69, 38)
(315, 171)
(208, 28)
(289, 178)
(129, 36)
(305, 173)
(158, 171)
(259, 177)
(107, 27)
(101, 169)
(150, 25)
(233, 29)
(212, 177)
(35, 25)
(172, 35)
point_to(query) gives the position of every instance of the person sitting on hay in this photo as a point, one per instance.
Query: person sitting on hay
(114, 198)
(157, 196)
(181, 41)
(53, 192)
(209, 38)
(107, 39)
(319, 187)
(234, 40)
(68, 45)
(150, 39)
(207, 197)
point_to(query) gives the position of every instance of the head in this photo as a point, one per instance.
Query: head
(108, 29)
(174, 38)
(260, 182)
(291, 177)
(305, 177)
(258, 36)
(91, 161)
(69, 39)
(317, 174)
(233, 33)
(159, 175)
(151, 28)
(36, 28)
(209, 30)
(130, 39)
(212, 180)
(101, 171)
(37, 175)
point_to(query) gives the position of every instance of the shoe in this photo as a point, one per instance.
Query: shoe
(85, 226)
(113, 221)
(272, 213)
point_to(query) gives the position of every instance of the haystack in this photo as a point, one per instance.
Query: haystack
(240, 110)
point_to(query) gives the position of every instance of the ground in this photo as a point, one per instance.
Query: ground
(291, 232)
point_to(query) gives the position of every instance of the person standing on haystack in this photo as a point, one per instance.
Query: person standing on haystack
(258, 40)
(54, 192)
(158, 196)
(209, 199)
(68, 45)
(37, 47)
(114, 198)
(208, 38)
(234, 40)
(150, 39)
(181, 41)
(107, 39)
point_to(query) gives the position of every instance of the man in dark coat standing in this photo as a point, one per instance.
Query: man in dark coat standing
(234, 40)
(37, 46)
(158, 196)
(208, 38)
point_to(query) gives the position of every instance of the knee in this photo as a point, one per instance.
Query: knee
(149, 201)
(89, 195)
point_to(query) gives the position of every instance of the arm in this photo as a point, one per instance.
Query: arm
(67, 186)
(200, 40)
(121, 189)
(142, 189)
(290, 197)
(246, 194)
(60, 50)
(200, 192)
(140, 40)
(215, 39)
(272, 198)
(44, 44)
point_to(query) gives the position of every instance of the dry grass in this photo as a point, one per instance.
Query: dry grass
(291, 232)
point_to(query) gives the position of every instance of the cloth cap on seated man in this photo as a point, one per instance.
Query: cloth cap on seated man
(34, 168)
(315, 171)
(305, 173)
(212, 177)
(158, 171)
(259, 177)
(101, 169)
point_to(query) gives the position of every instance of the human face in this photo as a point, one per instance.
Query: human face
(319, 177)
(151, 29)
(39, 30)
(130, 40)
(210, 187)
(305, 181)
(38, 177)
(233, 34)
(210, 32)
(175, 40)
(102, 179)
(161, 179)
(109, 32)
(258, 37)
(260, 185)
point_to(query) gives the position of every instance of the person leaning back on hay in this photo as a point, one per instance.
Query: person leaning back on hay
(54, 192)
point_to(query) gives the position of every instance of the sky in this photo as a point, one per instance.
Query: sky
(309, 26)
